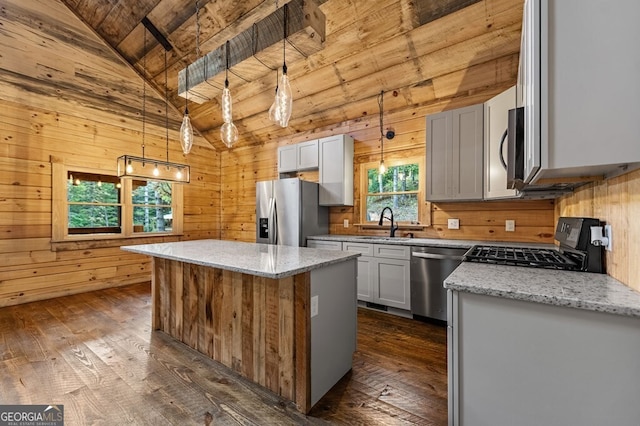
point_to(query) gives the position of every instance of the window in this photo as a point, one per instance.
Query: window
(152, 211)
(94, 204)
(399, 188)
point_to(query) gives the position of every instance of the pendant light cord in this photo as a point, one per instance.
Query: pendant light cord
(226, 72)
(166, 102)
(144, 87)
(284, 40)
(381, 107)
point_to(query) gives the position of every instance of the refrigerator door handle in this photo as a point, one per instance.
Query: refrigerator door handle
(273, 222)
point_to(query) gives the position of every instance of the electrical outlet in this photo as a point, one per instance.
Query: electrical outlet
(453, 223)
(608, 233)
(510, 225)
(345, 223)
(314, 306)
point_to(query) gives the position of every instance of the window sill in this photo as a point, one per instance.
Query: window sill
(84, 242)
(409, 226)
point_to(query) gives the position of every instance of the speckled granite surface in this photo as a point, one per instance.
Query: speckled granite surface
(256, 259)
(426, 242)
(583, 290)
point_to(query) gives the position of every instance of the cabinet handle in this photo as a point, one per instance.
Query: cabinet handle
(435, 256)
(504, 138)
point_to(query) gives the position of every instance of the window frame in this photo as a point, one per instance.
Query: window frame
(424, 209)
(60, 206)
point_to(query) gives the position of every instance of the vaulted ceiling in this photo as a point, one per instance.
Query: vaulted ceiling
(404, 46)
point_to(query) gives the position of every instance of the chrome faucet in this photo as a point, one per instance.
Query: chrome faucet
(392, 232)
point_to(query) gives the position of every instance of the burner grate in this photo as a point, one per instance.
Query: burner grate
(521, 256)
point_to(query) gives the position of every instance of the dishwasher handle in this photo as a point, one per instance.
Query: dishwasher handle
(435, 256)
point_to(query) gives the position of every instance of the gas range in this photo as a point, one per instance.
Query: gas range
(575, 253)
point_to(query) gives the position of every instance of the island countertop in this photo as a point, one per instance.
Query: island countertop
(582, 290)
(263, 260)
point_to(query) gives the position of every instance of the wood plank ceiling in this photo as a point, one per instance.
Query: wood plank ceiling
(390, 45)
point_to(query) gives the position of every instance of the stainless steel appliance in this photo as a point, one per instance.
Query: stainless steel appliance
(576, 251)
(429, 267)
(287, 212)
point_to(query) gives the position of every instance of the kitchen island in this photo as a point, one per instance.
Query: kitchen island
(283, 317)
(532, 346)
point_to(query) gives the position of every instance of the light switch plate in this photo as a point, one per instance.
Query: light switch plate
(453, 223)
(345, 223)
(314, 306)
(510, 225)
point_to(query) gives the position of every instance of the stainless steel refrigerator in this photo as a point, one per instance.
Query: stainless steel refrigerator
(287, 212)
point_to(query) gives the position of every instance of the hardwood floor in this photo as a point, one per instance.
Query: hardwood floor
(95, 353)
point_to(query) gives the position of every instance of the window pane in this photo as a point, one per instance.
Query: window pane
(152, 193)
(404, 206)
(94, 219)
(152, 219)
(395, 179)
(85, 188)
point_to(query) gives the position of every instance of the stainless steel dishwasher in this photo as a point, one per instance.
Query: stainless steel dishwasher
(429, 267)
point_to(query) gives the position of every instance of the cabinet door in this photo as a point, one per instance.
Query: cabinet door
(467, 164)
(496, 111)
(365, 278)
(392, 283)
(287, 159)
(307, 155)
(336, 170)
(439, 140)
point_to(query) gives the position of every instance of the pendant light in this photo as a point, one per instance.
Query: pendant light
(186, 129)
(284, 97)
(382, 167)
(274, 113)
(228, 130)
(130, 166)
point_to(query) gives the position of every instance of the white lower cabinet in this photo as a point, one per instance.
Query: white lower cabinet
(523, 363)
(383, 274)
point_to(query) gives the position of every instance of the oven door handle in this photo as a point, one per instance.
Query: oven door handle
(435, 256)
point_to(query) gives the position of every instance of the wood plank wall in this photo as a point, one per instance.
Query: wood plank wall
(616, 202)
(30, 269)
(242, 167)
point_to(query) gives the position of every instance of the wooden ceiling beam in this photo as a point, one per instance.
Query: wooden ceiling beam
(258, 50)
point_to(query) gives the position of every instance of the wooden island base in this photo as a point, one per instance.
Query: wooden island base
(260, 327)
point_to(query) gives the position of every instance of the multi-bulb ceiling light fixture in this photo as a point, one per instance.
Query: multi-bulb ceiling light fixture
(130, 166)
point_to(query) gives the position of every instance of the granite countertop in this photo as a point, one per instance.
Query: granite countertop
(425, 242)
(263, 260)
(583, 290)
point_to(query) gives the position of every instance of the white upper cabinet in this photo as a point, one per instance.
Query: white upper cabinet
(454, 155)
(580, 86)
(301, 156)
(336, 170)
(496, 111)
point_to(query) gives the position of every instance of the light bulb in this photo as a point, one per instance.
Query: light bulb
(156, 172)
(77, 182)
(99, 183)
(226, 105)
(186, 134)
(382, 167)
(179, 174)
(229, 134)
(284, 101)
(274, 112)
(129, 167)
(118, 185)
